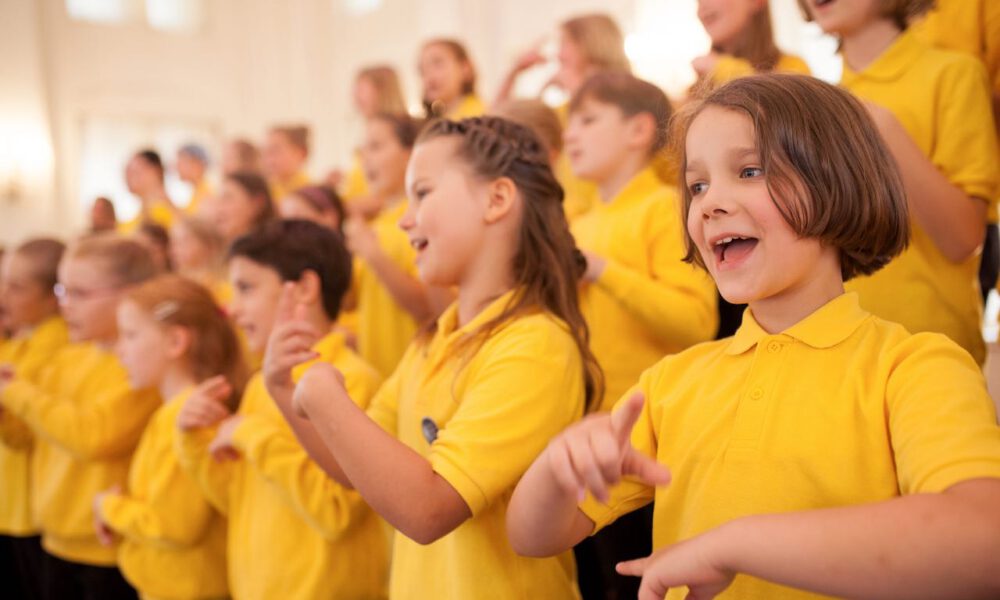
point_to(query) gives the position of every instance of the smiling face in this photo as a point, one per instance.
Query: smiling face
(256, 291)
(750, 250)
(446, 214)
(842, 17)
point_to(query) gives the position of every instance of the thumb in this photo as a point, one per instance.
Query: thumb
(286, 304)
(623, 419)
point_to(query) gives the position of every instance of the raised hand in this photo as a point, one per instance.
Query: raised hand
(319, 380)
(596, 453)
(289, 345)
(206, 405)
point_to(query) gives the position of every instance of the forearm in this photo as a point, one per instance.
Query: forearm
(389, 475)
(543, 518)
(927, 545)
(406, 290)
(953, 220)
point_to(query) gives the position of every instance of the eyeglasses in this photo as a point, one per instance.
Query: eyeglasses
(69, 294)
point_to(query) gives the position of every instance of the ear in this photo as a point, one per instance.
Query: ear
(309, 289)
(502, 194)
(178, 341)
(641, 131)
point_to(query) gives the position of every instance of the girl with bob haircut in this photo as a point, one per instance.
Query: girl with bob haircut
(820, 450)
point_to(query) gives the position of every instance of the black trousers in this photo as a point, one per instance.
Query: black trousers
(64, 580)
(21, 561)
(631, 536)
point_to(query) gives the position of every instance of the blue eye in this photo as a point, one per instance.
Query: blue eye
(750, 172)
(697, 188)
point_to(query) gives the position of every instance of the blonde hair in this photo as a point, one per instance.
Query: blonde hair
(126, 259)
(537, 116)
(173, 300)
(387, 88)
(600, 41)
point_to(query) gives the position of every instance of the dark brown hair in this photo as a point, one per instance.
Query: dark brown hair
(547, 265)
(323, 199)
(215, 348)
(293, 247)
(632, 96)
(902, 12)
(257, 189)
(827, 169)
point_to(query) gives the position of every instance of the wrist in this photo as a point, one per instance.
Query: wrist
(726, 544)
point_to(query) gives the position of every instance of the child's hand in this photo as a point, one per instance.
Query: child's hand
(105, 535)
(319, 380)
(595, 266)
(596, 453)
(221, 447)
(704, 65)
(360, 237)
(205, 407)
(530, 58)
(290, 344)
(693, 563)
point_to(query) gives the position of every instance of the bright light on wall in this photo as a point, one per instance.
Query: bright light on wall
(667, 37)
(25, 156)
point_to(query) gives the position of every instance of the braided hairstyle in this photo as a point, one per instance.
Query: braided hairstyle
(547, 264)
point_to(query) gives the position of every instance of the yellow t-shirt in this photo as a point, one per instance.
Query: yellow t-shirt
(355, 185)
(201, 192)
(293, 531)
(87, 421)
(942, 100)
(174, 543)
(728, 68)
(647, 302)
(280, 189)
(489, 415)
(470, 106)
(29, 353)
(160, 213)
(841, 409)
(384, 328)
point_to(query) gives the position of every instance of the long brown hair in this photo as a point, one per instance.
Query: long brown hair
(827, 169)
(755, 43)
(173, 300)
(600, 40)
(387, 88)
(547, 265)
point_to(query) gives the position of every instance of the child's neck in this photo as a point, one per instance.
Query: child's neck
(626, 170)
(482, 287)
(777, 313)
(866, 43)
(175, 381)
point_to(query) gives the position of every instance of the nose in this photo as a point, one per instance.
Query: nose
(409, 218)
(713, 203)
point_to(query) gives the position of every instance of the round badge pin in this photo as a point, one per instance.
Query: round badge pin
(430, 429)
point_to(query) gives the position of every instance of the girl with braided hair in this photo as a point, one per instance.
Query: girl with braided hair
(479, 394)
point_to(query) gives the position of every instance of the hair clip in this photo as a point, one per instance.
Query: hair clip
(166, 309)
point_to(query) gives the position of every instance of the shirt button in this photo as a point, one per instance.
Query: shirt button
(774, 347)
(756, 394)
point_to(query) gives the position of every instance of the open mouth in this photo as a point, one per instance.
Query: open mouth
(732, 250)
(418, 244)
(821, 3)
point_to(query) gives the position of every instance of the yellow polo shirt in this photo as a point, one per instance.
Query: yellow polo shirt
(161, 213)
(174, 543)
(470, 106)
(647, 302)
(355, 185)
(840, 409)
(293, 531)
(728, 68)
(29, 353)
(384, 328)
(87, 420)
(942, 99)
(480, 419)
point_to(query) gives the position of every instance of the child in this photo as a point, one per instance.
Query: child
(144, 178)
(293, 532)
(742, 42)
(588, 44)
(449, 80)
(932, 107)
(196, 252)
(102, 215)
(376, 90)
(192, 164)
(448, 435)
(170, 338)
(286, 151)
(389, 299)
(244, 203)
(317, 203)
(30, 309)
(85, 418)
(240, 155)
(820, 448)
(640, 300)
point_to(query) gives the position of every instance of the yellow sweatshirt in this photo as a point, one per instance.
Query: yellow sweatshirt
(29, 353)
(293, 531)
(174, 542)
(86, 420)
